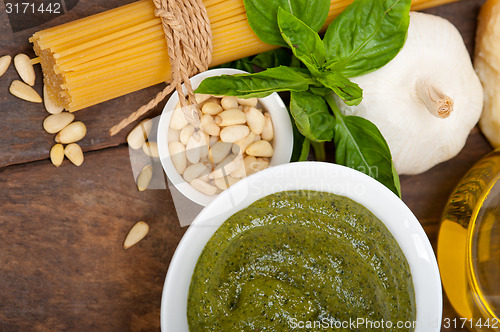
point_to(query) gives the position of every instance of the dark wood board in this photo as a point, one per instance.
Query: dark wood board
(62, 266)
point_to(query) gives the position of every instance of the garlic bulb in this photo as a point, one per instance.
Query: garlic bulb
(487, 63)
(426, 100)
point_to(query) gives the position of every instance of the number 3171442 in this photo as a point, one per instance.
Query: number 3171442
(464, 322)
(32, 8)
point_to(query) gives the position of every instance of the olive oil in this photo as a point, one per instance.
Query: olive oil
(469, 247)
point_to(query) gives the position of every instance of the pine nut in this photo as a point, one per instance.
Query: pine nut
(249, 161)
(209, 126)
(204, 147)
(186, 134)
(136, 234)
(173, 135)
(138, 136)
(178, 120)
(231, 134)
(151, 149)
(178, 156)
(226, 166)
(4, 63)
(219, 151)
(255, 120)
(72, 133)
(229, 102)
(50, 104)
(241, 145)
(203, 187)
(56, 122)
(213, 140)
(194, 171)
(230, 117)
(253, 165)
(260, 164)
(225, 182)
(24, 68)
(57, 154)
(144, 178)
(260, 149)
(24, 91)
(193, 148)
(239, 172)
(74, 153)
(201, 97)
(268, 131)
(211, 108)
(252, 102)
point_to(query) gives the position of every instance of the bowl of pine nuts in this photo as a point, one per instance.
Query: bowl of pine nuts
(207, 147)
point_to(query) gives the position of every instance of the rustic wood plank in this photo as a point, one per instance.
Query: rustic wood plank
(62, 265)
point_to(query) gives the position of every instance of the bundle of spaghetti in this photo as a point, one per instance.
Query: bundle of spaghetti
(110, 54)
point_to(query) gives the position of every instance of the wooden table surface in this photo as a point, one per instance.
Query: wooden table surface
(62, 265)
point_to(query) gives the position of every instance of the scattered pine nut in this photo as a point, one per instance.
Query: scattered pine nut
(136, 234)
(138, 136)
(24, 91)
(24, 68)
(151, 149)
(57, 154)
(56, 122)
(144, 178)
(74, 153)
(71, 133)
(4, 63)
(50, 105)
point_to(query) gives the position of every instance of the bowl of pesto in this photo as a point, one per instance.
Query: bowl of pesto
(303, 247)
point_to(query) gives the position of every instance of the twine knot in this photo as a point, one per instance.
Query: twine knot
(189, 41)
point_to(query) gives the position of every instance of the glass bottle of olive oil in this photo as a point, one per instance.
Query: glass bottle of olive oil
(469, 247)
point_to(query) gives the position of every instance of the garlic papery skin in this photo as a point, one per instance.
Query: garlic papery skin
(426, 100)
(487, 64)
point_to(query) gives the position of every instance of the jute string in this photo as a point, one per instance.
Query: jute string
(189, 40)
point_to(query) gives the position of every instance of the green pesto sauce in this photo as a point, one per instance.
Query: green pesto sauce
(300, 256)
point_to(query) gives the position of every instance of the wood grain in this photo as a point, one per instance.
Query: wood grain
(62, 265)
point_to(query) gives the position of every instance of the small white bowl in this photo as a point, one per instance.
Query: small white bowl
(317, 176)
(282, 141)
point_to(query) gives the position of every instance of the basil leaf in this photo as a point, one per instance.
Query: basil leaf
(361, 146)
(262, 16)
(349, 91)
(366, 35)
(273, 58)
(304, 42)
(257, 85)
(312, 116)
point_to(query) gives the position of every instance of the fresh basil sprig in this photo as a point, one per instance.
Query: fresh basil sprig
(366, 36)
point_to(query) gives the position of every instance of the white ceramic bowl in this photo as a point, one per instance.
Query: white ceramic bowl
(282, 141)
(307, 176)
